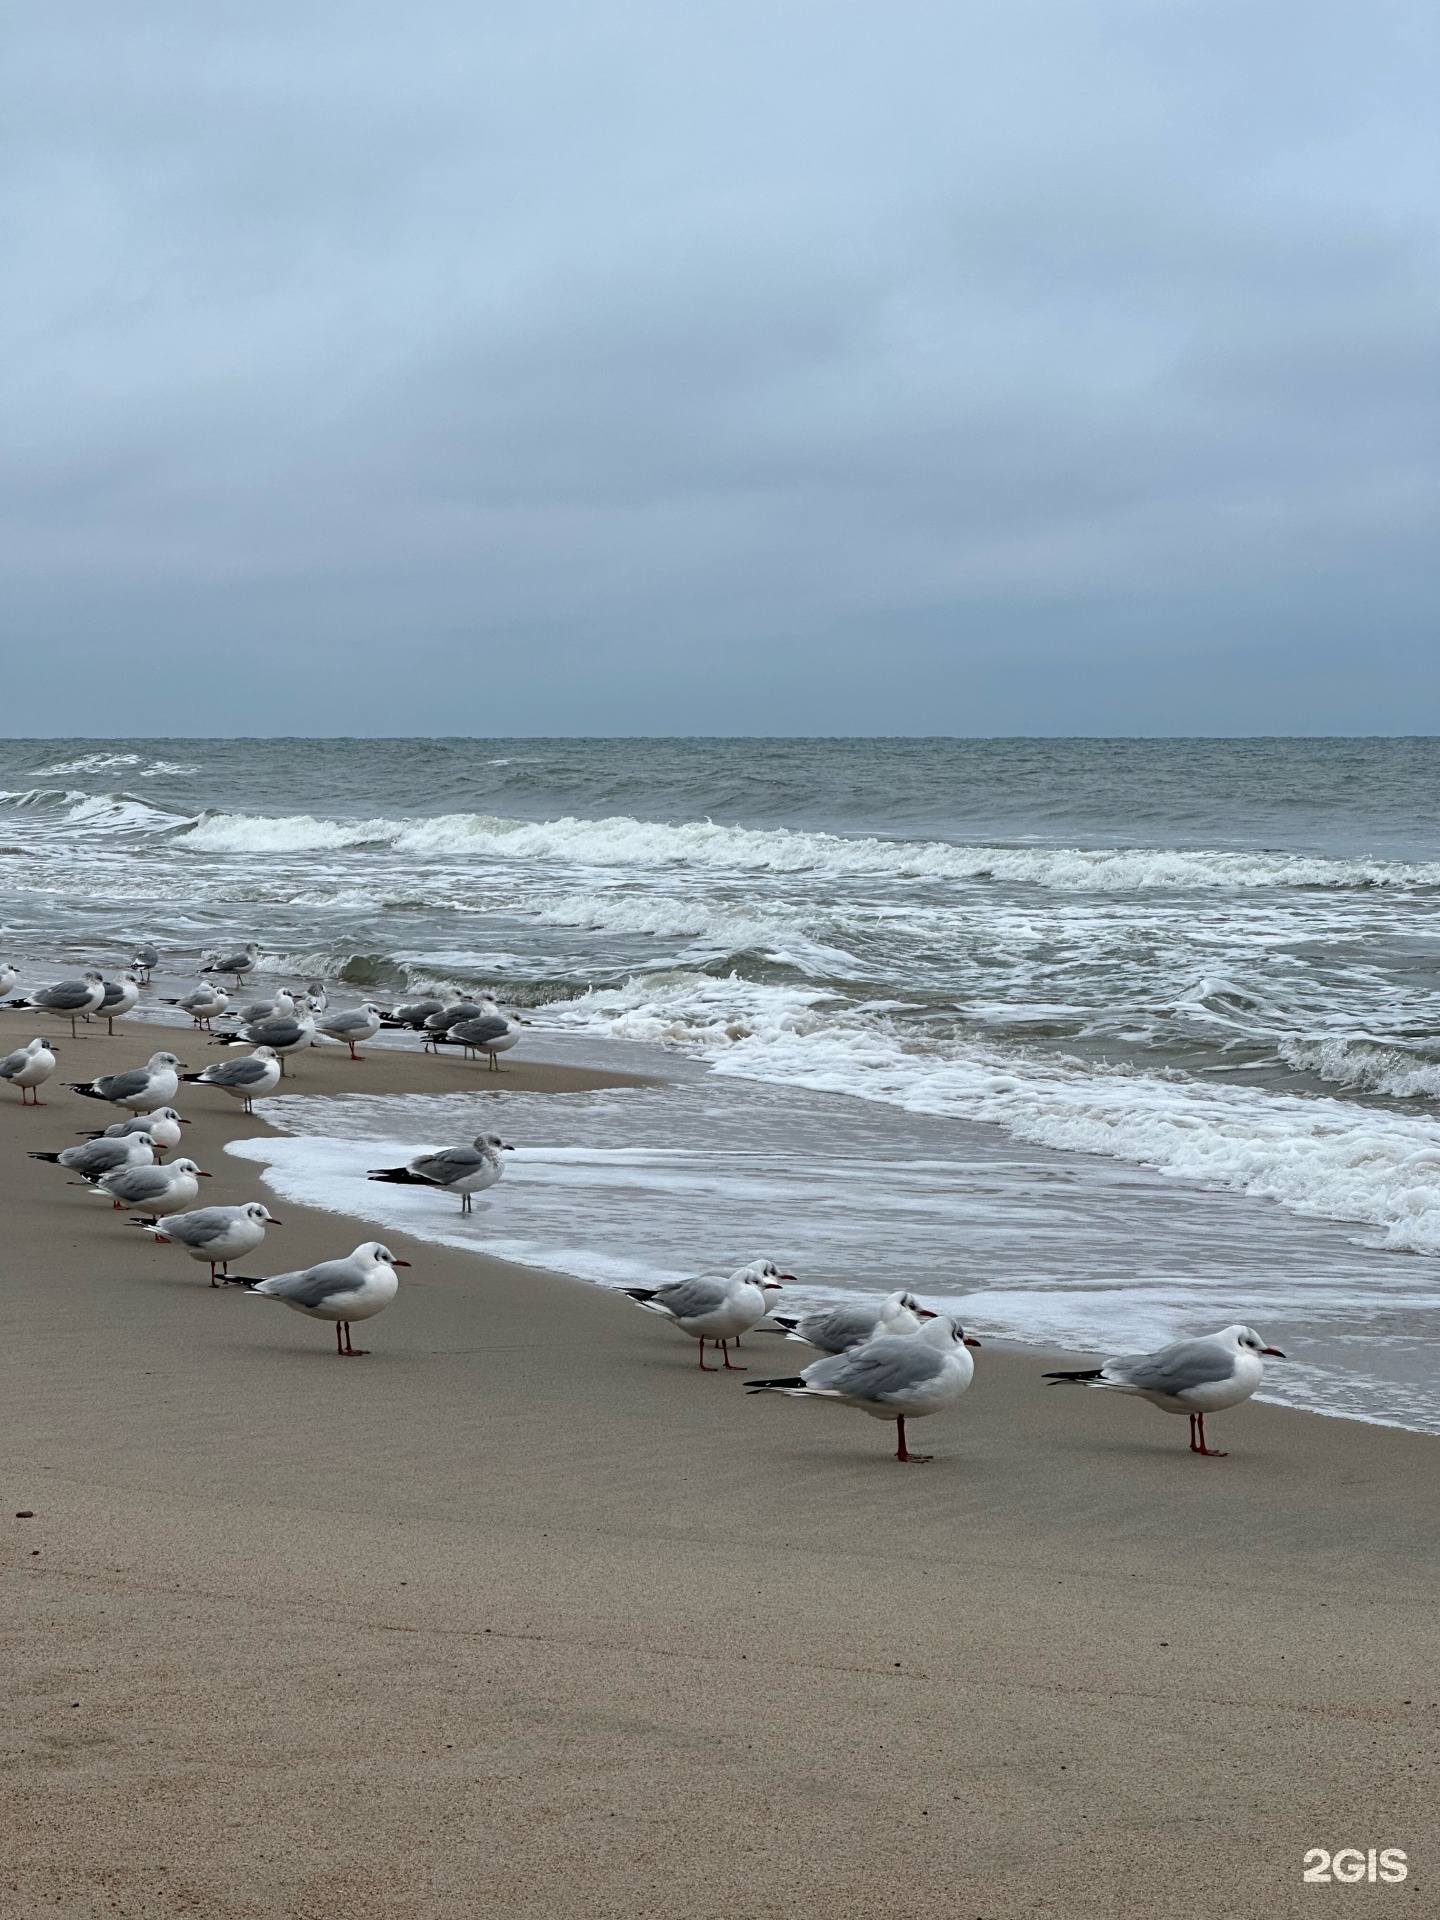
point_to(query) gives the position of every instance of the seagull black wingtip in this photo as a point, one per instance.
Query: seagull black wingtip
(764, 1386)
(1092, 1373)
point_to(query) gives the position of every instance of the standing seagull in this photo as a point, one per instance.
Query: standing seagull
(462, 1170)
(99, 1157)
(837, 1329)
(249, 1078)
(351, 1025)
(413, 1013)
(71, 999)
(161, 1128)
(29, 1068)
(286, 1033)
(205, 1004)
(280, 1008)
(1192, 1376)
(489, 1033)
(338, 1290)
(895, 1377)
(709, 1308)
(239, 963)
(147, 958)
(162, 1189)
(216, 1235)
(121, 997)
(142, 1089)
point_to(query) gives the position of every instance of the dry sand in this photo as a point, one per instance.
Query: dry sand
(524, 1616)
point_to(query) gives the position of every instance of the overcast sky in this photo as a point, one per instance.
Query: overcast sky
(834, 367)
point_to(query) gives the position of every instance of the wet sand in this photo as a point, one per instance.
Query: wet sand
(524, 1616)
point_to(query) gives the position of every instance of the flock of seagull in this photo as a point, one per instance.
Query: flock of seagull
(894, 1359)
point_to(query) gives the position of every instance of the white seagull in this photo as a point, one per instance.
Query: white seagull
(1192, 1376)
(280, 1008)
(162, 1189)
(710, 1308)
(351, 1025)
(205, 1004)
(121, 997)
(9, 975)
(146, 959)
(895, 1377)
(339, 1290)
(215, 1235)
(487, 1032)
(462, 1170)
(99, 1157)
(161, 1128)
(238, 963)
(286, 1033)
(29, 1068)
(72, 999)
(249, 1078)
(142, 1089)
(836, 1329)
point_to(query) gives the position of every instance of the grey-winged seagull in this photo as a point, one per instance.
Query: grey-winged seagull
(338, 1290)
(142, 1089)
(462, 1170)
(72, 999)
(1191, 1376)
(897, 1377)
(836, 1329)
(713, 1308)
(29, 1068)
(239, 962)
(351, 1025)
(161, 1189)
(249, 1078)
(214, 1235)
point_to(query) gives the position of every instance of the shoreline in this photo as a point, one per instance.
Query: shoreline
(526, 1616)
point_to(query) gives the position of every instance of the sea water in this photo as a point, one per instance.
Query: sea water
(1101, 1041)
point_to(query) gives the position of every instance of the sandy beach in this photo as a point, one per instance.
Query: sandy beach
(523, 1616)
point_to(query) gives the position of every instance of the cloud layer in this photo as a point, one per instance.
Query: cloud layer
(784, 367)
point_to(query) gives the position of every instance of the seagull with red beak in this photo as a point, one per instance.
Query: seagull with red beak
(1194, 1377)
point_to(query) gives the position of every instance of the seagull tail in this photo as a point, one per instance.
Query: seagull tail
(194, 1076)
(146, 1220)
(398, 1176)
(643, 1294)
(53, 1158)
(1086, 1377)
(88, 1088)
(775, 1386)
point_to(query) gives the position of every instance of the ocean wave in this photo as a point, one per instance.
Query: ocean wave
(1313, 1156)
(112, 763)
(625, 842)
(1368, 1065)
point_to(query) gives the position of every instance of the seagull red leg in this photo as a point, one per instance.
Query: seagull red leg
(902, 1452)
(1211, 1453)
(703, 1367)
(725, 1349)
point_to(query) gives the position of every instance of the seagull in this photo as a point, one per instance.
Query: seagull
(316, 994)
(352, 1025)
(282, 1007)
(161, 1128)
(413, 1013)
(203, 1005)
(249, 1078)
(1192, 1376)
(286, 1033)
(710, 1308)
(146, 959)
(29, 1068)
(142, 1089)
(338, 1290)
(837, 1329)
(162, 1189)
(462, 1170)
(8, 976)
(489, 1033)
(121, 997)
(216, 1235)
(72, 999)
(437, 1025)
(99, 1157)
(895, 1377)
(239, 963)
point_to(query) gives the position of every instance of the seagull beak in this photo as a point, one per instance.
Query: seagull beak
(273, 1222)
(402, 1263)
(925, 1313)
(970, 1340)
(505, 1147)
(185, 1123)
(203, 1176)
(1274, 1352)
(787, 1276)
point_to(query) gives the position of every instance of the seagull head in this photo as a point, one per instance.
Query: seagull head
(376, 1255)
(943, 1330)
(494, 1142)
(261, 1215)
(1247, 1340)
(162, 1060)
